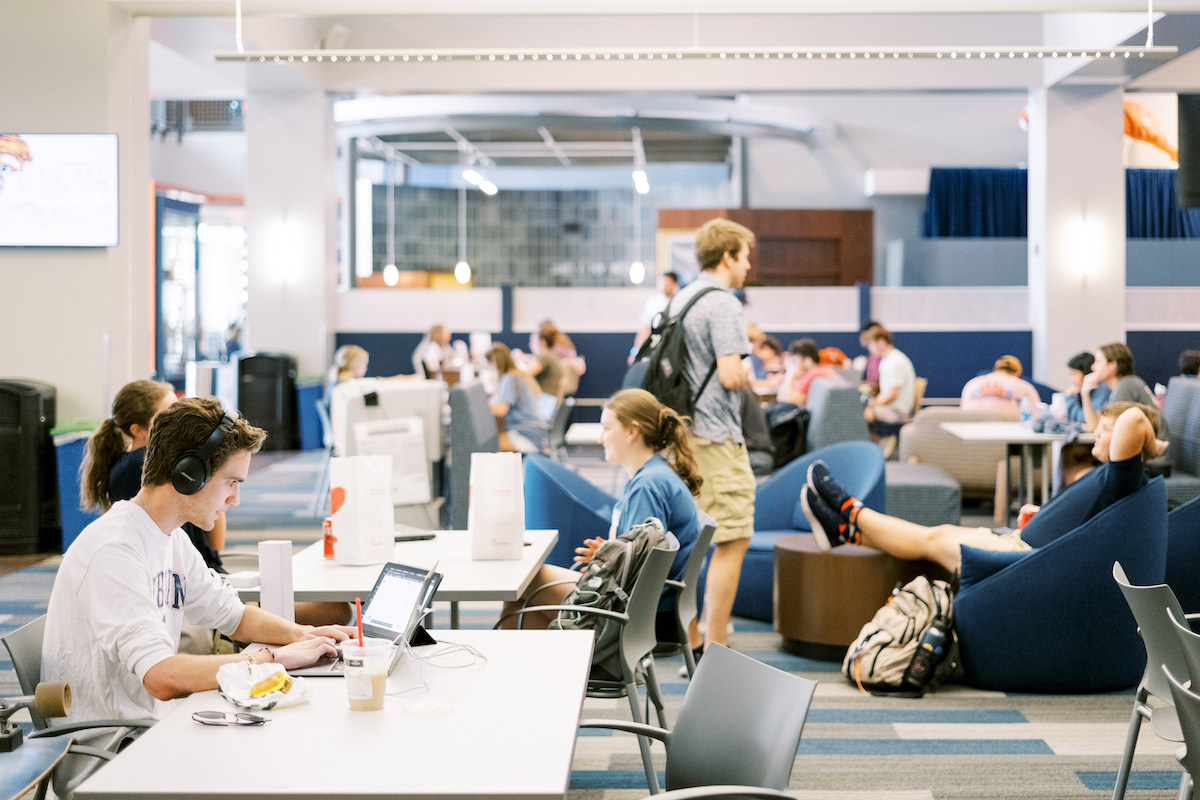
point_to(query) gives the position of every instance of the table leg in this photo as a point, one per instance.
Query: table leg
(454, 615)
(1005, 487)
(1027, 468)
(1045, 454)
(1056, 467)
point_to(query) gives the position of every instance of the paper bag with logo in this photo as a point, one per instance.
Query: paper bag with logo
(360, 496)
(496, 510)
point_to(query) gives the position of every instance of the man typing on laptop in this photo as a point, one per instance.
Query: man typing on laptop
(132, 576)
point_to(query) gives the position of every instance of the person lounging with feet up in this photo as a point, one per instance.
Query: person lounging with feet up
(1126, 437)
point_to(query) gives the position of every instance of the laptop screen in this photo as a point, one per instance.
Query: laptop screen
(395, 602)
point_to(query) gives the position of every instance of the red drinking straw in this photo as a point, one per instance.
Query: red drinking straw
(358, 613)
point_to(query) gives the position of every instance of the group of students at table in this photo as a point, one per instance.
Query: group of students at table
(135, 578)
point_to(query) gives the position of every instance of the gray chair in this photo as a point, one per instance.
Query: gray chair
(1189, 645)
(686, 606)
(24, 647)
(1162, 649)
(1188, 705)
(556, 438)
(472, 430)
(835, 414)
(635, 643)
(740, 724)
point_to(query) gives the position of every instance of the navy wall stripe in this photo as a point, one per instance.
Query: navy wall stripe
(947, 359)
(1156, 353)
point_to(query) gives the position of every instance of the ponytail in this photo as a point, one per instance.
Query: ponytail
(134, 405)
(104, 450)
(675, 439)
(662, 429)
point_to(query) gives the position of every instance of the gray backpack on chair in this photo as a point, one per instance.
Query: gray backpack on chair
(605, 584)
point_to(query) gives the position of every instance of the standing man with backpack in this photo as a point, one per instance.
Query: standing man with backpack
(716, 343)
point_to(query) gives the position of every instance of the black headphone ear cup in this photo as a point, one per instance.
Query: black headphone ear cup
(189, 474)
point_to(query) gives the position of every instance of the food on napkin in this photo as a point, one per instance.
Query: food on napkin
(260, 686)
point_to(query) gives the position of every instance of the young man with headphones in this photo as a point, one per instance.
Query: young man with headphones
(132, 576)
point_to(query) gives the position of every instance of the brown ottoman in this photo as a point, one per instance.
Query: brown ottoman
(822, 600)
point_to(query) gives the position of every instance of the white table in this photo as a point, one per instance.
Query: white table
(581, 433)
(317, 578)
(1012, 434)
(509, 733)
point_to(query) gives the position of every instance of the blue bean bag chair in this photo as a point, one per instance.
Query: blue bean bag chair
(556, 497)
(1053, 620)
(858, 466)
(1183, 554)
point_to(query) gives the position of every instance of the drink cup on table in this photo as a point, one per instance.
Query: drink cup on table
(367, 673)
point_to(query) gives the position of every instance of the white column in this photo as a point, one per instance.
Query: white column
(1076, 224)
(290, 221)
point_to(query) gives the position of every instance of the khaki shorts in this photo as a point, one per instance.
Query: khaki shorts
(727, 493)
(986, 539)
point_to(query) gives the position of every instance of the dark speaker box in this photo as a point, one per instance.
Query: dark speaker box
(1187, 179)
(267, 398)
(29, 519)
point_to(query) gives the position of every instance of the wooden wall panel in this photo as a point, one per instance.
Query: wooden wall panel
(797, 247)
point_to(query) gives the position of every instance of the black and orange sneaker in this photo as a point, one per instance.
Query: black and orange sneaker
(837, 498)
(830, 528)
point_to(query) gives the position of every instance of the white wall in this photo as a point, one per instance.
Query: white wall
(206, 163)
(76, 67)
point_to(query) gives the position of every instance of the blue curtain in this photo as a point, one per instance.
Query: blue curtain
(977, 203)
(1150, 208)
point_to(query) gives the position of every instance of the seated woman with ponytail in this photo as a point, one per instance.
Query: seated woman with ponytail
(112, 466)
(653, 445)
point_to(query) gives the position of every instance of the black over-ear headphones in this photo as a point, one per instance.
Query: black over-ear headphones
(191, 470)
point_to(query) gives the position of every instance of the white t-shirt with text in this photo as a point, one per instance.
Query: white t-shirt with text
(118, 603)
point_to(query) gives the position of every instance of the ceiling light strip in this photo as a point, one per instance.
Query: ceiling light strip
(560, 55)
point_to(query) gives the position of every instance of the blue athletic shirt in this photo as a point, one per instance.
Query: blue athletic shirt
(656, 491)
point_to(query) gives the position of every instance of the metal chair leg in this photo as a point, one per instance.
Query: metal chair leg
(654, 693)
(643, 742)
(1135, 726)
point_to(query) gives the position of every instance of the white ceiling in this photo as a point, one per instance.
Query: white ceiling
(521, 7)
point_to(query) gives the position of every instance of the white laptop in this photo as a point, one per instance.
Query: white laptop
(393, 612)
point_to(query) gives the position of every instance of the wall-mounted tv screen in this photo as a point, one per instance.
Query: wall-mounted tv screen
(58, 189)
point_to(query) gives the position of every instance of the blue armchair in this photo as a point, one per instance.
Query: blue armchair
(1054, 620)
(1183, 554)
(556, 497)
(858, 466)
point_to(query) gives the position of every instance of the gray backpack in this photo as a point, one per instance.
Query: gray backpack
(605, 584)
(909, 646)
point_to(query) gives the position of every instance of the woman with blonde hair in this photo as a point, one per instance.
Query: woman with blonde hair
(349, 362)
(653, 445)
(515, 404)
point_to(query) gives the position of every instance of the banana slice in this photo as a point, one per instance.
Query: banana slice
(279, 682)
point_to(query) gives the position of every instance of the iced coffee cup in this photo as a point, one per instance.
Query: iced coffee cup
(367, 673)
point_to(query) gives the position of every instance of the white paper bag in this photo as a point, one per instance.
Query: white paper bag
(496, 509)
(404, 440)
(360, 490)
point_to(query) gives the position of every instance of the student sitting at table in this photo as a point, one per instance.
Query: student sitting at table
(804, 367)
(112, 471)
(132, 577)
(653, 445)
(515, 404)
(1125, 439)
(1002, 389)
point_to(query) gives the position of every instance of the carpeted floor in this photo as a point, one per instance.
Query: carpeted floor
(956, 744)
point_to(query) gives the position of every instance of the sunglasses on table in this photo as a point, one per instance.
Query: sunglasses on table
(228, 718)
